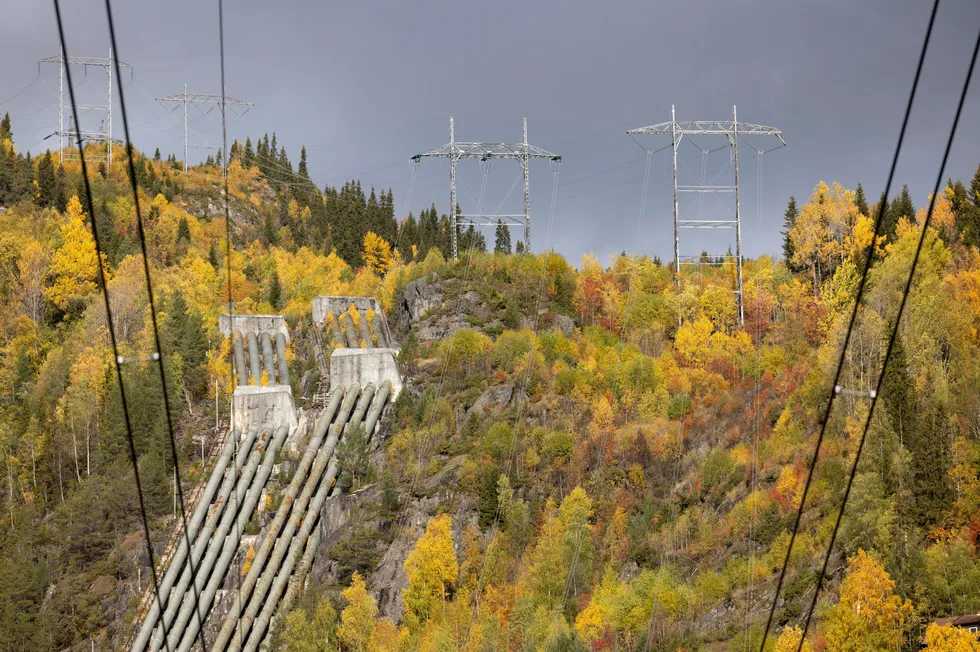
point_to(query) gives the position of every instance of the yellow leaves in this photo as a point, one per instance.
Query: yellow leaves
(357, 619)
(692, 340)
(602, 418)
(947, 638)
(249, 558)
(821, 234)
(377, 253)
(718, 305)
(788, 489)
(431, 568)
(592, 621)
(74, 266)
(789, 641)
(868, 616)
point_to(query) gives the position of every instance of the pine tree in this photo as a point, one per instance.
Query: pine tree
(5, 132)
(789, 221)
(519, 247)
(860, 201)
(213, 256)
(156, 154)
(46, 183)
(302, 164)
(501, 238)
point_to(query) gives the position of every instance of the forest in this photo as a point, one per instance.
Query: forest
(637, 489)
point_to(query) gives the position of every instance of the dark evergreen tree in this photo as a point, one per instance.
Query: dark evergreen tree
(931, 461)
(860, 201)
(248, 156)
(502, 238)
(5, 132)
(183, 231)
(888, 221)
(213, 256)
(302, 171)
(901, 207)
(218, 160)
(156, 154)
(372, 213)
(210, 160)
(897, 393)
(275, 291)
(789, 221)
(47, 185)
(968, 212)
(408, 236)
(519, 247)
(61, 196)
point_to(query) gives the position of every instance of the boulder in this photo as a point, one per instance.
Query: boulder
(494, 399)
(418, 298)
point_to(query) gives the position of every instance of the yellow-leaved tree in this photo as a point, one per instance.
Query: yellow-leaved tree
(946, 638)
(377, 253)
(357, 618)
(431, 569)
(789, 641)
(74, 264)
(869, 616)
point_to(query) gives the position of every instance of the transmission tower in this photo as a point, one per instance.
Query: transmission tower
(73, 133)
(485, 152)
(732, 130)
(186, 98)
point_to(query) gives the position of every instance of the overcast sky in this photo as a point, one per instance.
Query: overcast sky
(365, 85)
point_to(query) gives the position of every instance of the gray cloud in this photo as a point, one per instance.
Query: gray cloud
(366, 85)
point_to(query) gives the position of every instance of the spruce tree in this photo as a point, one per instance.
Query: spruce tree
(519, 247)
(183, 231)
(275, 291)
(61, 196)
(213, 256)
(248, 156)
(302, 164)
(860, 201)
(156, 154)
(502, 238)
(888, 221)
(46, 183)
(903, 206)
(789, 221)
(931, 460)
(5, 133)
(966, 207)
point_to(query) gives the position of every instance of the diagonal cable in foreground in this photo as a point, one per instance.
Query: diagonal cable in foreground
(869, 258)
(891, 340)
(153, 311)
(108, 309)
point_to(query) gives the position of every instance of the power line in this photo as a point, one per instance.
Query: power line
(153, 312)
(118, 359)
(892, 338)
(869, 258)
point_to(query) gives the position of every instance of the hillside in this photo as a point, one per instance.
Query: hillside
(583, 458)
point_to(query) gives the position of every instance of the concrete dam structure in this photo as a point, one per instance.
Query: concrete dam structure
(361, 346)
(202, 586)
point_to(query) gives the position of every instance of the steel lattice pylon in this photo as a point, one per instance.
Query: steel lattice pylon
(732, 130)
(186, 98)
(74, 131)
(521, 152)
